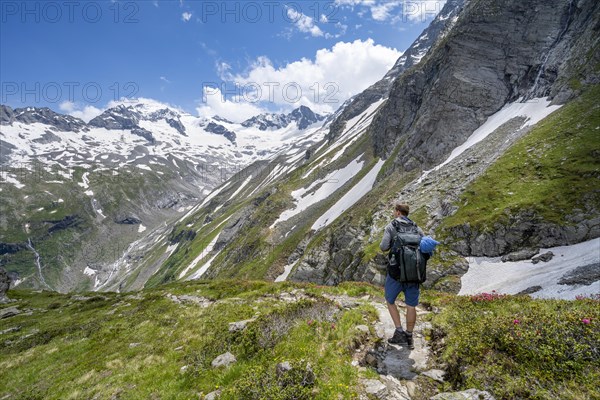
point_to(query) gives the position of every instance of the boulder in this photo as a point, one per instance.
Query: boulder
(4, 285)
(213, 395)
(224, 360)
(240, 325)
(374, 387)
(520, 255)
(547, 256)
(435, 374)
(282, 368)
(9, 312)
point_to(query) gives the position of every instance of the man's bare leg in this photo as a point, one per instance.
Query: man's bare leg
(411, 317)
(396, 315)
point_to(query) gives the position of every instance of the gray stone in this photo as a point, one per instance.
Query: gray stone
(223, 360)
(213, 395)
(375, 388)
(10, 330)
(218, 129)
(411, 387)
(547, 256)
(371, 359)
(282, 368)
(44, 115)
(470, 394)
(4, 285)
(520, 255)
(9, 312)
(435, 374)
(7, 115)
(363, 329)
(531, 290)
(584, 275)
(240, 325)
(184, 298)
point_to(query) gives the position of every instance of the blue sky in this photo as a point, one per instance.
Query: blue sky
(63, 54)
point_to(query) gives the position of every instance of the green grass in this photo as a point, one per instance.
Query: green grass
(133, 346)
(552, 171)
(517, 347)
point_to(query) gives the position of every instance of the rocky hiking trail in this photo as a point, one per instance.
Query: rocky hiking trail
(399, 367)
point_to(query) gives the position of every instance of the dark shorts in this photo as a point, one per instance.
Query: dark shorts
(393, 288)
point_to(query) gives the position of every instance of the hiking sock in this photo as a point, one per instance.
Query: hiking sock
(409, 340)
(399, 329)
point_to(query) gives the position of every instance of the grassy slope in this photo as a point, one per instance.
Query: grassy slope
(71, 349)
(133, 346)
(553, 170)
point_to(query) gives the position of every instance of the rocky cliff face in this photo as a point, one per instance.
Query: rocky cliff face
(434, 33)
(494, 54)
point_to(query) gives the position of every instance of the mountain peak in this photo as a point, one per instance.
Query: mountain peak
(303, 116)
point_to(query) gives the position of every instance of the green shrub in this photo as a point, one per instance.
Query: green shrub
(518, 347)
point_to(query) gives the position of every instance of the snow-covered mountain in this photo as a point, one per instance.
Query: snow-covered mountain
(155, 129)
(134, 167)
(302, 116)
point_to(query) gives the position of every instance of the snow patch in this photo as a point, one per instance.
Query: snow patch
(240, 188)
(144, 166)
(88, 271)
(14, 181)
(487, 274)
(286, 271)
(202, 254)
(85, 183)
(171, 248)
(350, 198)
(204, 267)
(328, 185)
(141, 228)
(534, 110)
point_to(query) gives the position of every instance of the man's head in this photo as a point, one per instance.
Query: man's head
(401, 209)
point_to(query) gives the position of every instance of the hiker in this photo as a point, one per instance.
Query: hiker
(393, 287)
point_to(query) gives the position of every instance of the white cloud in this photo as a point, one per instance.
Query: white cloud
(381, 12)
(304, 23)
(85, 113)
(164, 79)
(236, 109)
(322, 83)
(395, 11)
(186, 16)
(323, 19)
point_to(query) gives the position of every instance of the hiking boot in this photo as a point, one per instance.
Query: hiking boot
(409, 341)
(398, 338)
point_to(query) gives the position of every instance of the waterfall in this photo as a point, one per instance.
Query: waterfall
(37, 262)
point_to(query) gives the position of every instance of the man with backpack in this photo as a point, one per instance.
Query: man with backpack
(406, 270)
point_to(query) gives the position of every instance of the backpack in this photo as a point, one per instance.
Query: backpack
(406, 262)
